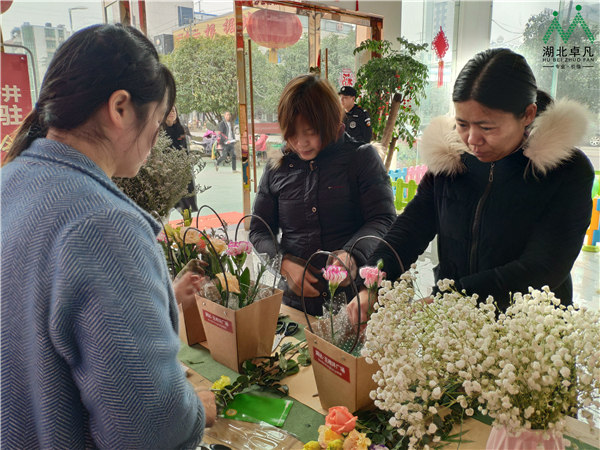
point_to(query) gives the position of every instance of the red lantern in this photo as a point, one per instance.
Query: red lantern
(274, 29)
(4, 5)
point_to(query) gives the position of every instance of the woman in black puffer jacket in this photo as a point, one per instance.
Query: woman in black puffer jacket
(322, 191)
(506, 192)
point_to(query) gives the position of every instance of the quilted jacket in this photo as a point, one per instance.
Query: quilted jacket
(504, 226)
(311, 203)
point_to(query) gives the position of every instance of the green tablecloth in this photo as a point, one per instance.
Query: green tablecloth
(302, 421)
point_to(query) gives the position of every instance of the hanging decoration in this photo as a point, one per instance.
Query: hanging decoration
(274, 30)
(440, 46)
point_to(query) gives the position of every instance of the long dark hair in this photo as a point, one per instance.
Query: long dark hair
(85, 71)
(500, 79)
(314, 99)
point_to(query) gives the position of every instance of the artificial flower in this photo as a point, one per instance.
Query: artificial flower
(338, 444)
(312, 445)
(238, 248)
(340, 419)
(356, 441)
(334, 275)
(378, 447)
(372, 276)
(218, 245)
(326, 435)
(221, 382)
(192, 236)
(233, 284)
(201, 246)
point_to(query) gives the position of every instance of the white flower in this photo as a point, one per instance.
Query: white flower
(525, 356)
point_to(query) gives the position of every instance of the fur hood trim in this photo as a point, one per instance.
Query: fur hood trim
(275, 157)
(554, 134)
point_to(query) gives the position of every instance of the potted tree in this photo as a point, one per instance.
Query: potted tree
(390, 88)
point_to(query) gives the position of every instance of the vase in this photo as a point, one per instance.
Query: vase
(501, 439)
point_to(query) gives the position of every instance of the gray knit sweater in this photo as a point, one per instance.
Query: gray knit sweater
(89, 318)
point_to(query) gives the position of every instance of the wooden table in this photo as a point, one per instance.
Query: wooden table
(302, 386)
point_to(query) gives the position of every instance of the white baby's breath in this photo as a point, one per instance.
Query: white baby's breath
(526, 368)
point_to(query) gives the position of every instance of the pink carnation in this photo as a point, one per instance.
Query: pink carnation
(334, 274)
(161, 237)
(237, 248)
(372, 276)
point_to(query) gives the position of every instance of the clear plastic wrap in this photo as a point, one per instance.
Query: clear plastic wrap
(250, 436)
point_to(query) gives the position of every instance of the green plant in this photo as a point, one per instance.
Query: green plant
(164, 178)
(390, 88)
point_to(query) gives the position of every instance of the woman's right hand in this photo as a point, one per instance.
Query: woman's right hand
(210, 407)
(352, 307)
(292, 274)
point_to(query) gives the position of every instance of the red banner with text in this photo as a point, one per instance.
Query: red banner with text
(15, 95)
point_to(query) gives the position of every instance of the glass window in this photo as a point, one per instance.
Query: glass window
(339, 39)
(421, 22)
(49, 33)
(564, 66)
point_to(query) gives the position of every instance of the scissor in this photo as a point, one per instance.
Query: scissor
(284, 329)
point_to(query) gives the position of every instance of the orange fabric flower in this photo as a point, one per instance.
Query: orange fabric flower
(357, 441)
(340, 420)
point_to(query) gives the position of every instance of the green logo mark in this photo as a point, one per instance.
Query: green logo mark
(578, 20)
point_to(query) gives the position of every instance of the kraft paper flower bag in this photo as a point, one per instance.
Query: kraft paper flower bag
(239, 314)
(182, 248)
(343, 377)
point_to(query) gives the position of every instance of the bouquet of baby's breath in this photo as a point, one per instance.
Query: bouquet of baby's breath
(527, 368)
(546, 364)
(163, 180)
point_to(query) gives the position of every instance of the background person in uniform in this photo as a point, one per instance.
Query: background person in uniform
(357, 120)
(227, 139)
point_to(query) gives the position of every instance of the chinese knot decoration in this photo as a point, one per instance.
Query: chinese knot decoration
(440, 46)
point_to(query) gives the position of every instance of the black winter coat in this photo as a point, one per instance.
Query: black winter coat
(310, 202)
(505, 226)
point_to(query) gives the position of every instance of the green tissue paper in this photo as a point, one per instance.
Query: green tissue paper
(251, 408)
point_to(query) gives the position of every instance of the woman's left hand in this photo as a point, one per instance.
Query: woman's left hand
(348, 260)
(186, 287)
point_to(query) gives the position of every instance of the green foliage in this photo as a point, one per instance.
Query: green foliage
(376, 425)
(163, 180)
(266, 372)
(268, 81)
(294, 60)
(205, 71)
(395, 72)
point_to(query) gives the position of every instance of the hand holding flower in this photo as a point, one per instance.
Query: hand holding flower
(349, 262)
(186, 287)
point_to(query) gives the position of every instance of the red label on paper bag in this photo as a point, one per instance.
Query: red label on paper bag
(339, 369)
(217, 321)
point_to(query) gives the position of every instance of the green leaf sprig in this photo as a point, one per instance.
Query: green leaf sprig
(266, 372)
